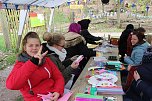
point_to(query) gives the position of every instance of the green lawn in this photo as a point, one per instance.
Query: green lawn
(9, 57)
(2, 43)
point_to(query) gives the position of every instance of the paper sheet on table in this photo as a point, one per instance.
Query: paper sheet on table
(101, 49)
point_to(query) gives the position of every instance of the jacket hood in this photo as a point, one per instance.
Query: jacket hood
(72, 39)
(84, 23)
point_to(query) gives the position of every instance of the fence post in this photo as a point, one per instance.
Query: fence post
(5, 29)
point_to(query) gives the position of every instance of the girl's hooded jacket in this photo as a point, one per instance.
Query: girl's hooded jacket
(32, 79)
(137, 54)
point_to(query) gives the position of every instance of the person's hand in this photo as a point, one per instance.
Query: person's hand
(39, 55)
(74, 65)
(74, 57)
(129, 67)
(55, 96)
(136, 75)
(125, 56)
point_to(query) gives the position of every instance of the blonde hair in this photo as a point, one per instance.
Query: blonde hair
(53, 38)
(46, 36)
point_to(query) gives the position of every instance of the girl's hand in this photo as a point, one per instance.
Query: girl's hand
(74, 57)
(39, 55)
(74, 65)
(125, 56)
(136, 75)
(55, 96)
(129, 67)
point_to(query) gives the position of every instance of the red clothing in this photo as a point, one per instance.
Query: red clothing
(43, 79)
(129, 45)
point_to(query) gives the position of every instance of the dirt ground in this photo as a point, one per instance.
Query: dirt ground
(5, 94)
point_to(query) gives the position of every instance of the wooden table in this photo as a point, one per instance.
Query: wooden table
(82, 82)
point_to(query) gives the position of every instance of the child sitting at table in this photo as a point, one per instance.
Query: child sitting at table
(57, 53)
(35, 74)
(139, 47)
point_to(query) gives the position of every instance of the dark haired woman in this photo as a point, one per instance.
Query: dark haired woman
(139, 47)
(86, 34)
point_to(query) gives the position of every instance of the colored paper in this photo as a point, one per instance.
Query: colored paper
(87, 97)
(36, 19)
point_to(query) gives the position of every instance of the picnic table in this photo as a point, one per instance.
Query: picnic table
(82, 82)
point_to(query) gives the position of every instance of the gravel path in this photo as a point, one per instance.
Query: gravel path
(5, 94)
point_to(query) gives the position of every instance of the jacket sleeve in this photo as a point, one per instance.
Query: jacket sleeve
(85, 51)
(137, 58)
(66, 72)
(20, 74)
(58, 78)
(128, 60)
(145, 88)
(90, 38)
(67, 62)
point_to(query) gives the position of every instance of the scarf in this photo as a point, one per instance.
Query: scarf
(61, 54)
(23, 57)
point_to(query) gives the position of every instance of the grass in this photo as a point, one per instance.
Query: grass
(19, 98)
(60, 17)
(2, 43)
(7, 58)
(60, 20)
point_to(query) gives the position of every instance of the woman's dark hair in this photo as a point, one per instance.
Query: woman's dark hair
(84, 23)
(130, 27)
(105, 1)
(139, 35)
(27, 36)
(54, 38)
(142, 30)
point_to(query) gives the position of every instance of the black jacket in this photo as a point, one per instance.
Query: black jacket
(75, 45)
(122, 42)
(143, 85)
(88, 37)
(64, 66)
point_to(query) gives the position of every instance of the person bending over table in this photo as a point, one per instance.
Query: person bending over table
(86, 34)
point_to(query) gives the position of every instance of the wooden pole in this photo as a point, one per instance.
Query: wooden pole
(118, 13)
(5, 29)
(22, 19)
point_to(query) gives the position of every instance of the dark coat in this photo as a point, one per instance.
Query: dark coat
(64, 66)
(85, 33)
(88, 37)
(144, 85)
(122, 42)
(75, 45)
